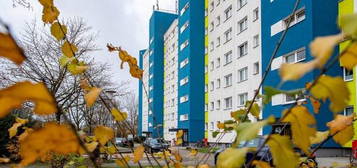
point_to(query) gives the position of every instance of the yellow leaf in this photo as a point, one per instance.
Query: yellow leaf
(339, 123)
(179, 141)
(203, 166)
(193, 152)
(10, 50)
(91, 146)
(122, 162)
(179, 134)
(348, 58)
(77, 69)
(315, 105)
(13, 129)
(247, 130)
(220, 125)
(178, 165)
(282, 151)
(58, 31)
(261, 164)
(4, 160)
(344, 136)
(46, 2)
(232, 158)
(22, 121)
(111, 150)
(119, 116)
(135, 71)
(103, 134)
(85, 85)
(52, 137)
(319, 137)
(296, 71)
(64, 60)
(25, 134)
(69, 49)
(138, 153)
(92, 96)
(49, 14)
(302, 123)
(177, 156)
(13, 97)
(333, 88)
(322, 48)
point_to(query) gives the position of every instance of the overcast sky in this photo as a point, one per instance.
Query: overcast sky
(120, 22)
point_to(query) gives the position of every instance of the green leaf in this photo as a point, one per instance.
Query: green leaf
(215, 133)
(255, 110)
(348, 24)
(247, 131)
(270, 92)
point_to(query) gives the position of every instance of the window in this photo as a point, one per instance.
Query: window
(243, 49)
(206, 107)
(218, 83)
(228, 35)
(228, 13)
(184, 26)
(212, 125)
(228, 79)
(172, 74)
(290, 98)
(184, 81)
(218, 2)
(212, 46)
(212, 26)
(294, 19)
(300, 16)
(218, 62)
(212, 85)
(218, 41)
(212, 6)
(206, 68)
(184, 117)
(255, 14)
(172, 88)
(212, 106)
(172, 102)
(242, 25)
(183, 10)
(242, 99)
(348, 111)
(241, 3)
(184, 99)
(256, 68)
(206, 126)
(184, 45)
(295, 56)
(184, 63)
(212, 66)
(228, 57)
(218, 105)
(228, 102)
(347, 75)
(206, 88)
(243, 74)
(218, 18)
(256, 41)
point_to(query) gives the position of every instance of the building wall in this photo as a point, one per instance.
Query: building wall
(170, 80)
(144, 116)
(140, 111)
(320, 19)
(218, 67)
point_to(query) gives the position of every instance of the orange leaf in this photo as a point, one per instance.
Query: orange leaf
(46, 2)
(69, 49)
(49, 14)
(315, 104)
(13, 97)
(339, 123)
(58, 31)
(10, 50)
(138, 153)
(92, 96)
(103, 134)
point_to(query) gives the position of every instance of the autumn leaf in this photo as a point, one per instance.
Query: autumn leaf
(50, 14)
(302, 123)
(315, 105)
(319, 137)
(85, 85)
(10, 50)
(76, 69)
(322, 48)
(193, 152)
(348, 57)
(203, 166)
(179, 134)
(282, 151)
(69, 49)
(339, 123)
(13, 97)
(232, 158)
(333, 88)
(111, 150)
(215, 133)
(103, 134)
(348, 24)
(344, 135)
(13, 130)
(220, 125)
(118, 115)
(255, 109)
(51, 138)
(92, 96)
(295, 71)
(138, 153)
(91, 146)
(177, 156)
(58, 31)
(239, 115)
(179, 141)
(261, 164)
(46, 2)
(64, 60)
(122, 162)
(136, 72)
(25, 134)
(247, 131)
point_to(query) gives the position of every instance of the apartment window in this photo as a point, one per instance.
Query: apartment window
(295, 56)
(212, 66)
(228, 80)
(184, 99)
(256, 41)
(184, 26)
(243, 74)
(228, 57)
(228, 35)
(184, 81)
(348, 111)
(256, 68)
(206, 107)
(206, 68)
(212, 125)
(184, 9)
(218, 18)
(172, 74)
(300, 16)
(206, 126)
(218, 41)
(151, 88)
(243, 49)
(218, 62)
(218, 83)
(290, 98)
(184, 63)
(212, 26)
(218, 104)
(184, 45)
(347, 74)
(184, 117)
(255, 14)
(228, 102)
(206, 88)
(212, 46)
(296, 18)
(228, 13)
(212, 6)
(242, 99)
(241, 3)
(212, 85)
(172, 88)
(242, 25)
(172, 102)
(218, 2)
(212, 106)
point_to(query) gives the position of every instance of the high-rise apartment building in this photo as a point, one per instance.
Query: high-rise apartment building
(233, 59)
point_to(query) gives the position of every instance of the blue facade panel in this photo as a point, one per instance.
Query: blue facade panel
(320, 19)
(140, 111)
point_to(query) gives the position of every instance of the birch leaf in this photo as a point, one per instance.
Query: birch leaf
(138, 153)
(58, 31)
(10, 50)
(92, 96)
(282, 151)
(232, 158)
(103, 134)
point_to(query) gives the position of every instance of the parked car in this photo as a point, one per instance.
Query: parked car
(124, 142)
(155, 145)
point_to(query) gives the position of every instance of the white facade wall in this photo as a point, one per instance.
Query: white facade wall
(145, 108)
(217, 70)
(170, 80)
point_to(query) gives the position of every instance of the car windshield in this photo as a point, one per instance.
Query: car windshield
(252, 143)
(155, 141)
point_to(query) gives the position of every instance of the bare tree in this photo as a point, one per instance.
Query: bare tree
(130, 105)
